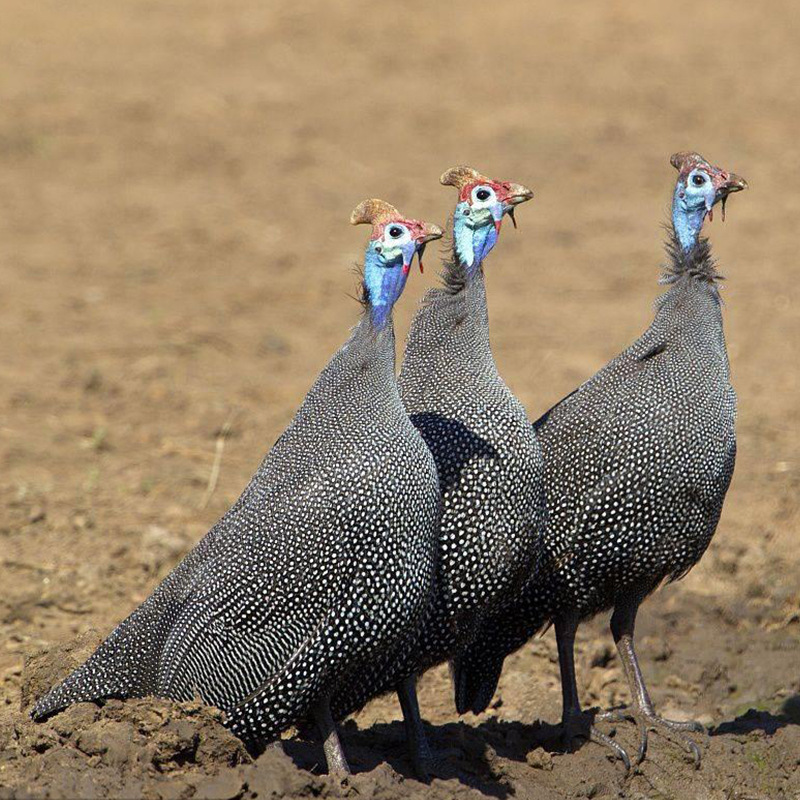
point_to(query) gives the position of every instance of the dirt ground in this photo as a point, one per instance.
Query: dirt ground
(176, 180)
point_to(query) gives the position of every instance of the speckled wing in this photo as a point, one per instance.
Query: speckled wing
(606, 443)
(251, 611)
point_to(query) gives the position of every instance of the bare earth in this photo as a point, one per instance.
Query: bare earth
(175, 258)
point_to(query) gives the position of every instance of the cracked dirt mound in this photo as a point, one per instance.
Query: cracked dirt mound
(175, 262)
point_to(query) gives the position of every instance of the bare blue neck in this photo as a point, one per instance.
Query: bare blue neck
(687, 219)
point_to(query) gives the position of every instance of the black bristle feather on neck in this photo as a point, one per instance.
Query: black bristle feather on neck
(697, 263)
(454, 273)
(362, 293)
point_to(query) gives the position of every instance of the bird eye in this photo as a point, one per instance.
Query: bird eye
(698, 179)
(483, 193)
(396, 231)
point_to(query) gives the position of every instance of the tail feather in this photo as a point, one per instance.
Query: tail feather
(474, 683)
(476, 672)
(126, 664)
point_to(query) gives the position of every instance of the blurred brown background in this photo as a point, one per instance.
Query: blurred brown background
(175, 254)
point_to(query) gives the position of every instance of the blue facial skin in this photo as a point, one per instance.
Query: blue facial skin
(690, 204)
(474, 234)
(386, 269)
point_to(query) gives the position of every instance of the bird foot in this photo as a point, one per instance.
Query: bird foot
(647, 720)
(579, 726)
(425, 766)
(422, 762)
(429, 764)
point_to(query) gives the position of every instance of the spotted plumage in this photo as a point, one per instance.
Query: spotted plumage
(638, 461)
(326, 559)
(489, 461)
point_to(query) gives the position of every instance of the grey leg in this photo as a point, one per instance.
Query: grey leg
(641, 711)
(334, 755)
(574, 725)
(420, 752)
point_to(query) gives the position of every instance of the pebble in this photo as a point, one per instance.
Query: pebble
(540, 759)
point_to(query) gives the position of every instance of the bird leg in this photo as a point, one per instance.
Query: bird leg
(421, 756)
(574, 723)
(641, 711)
(334, 754)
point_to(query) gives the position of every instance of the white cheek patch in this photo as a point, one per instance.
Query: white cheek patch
(464, 244)
(481, 214)
(391, 250)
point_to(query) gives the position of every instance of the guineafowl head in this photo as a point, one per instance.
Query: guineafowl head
(699, 187)
(394, 242)
(479, 212)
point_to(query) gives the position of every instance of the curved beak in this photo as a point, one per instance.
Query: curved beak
(517, 193)
(430, 232)
(736, 183)
(727, 183)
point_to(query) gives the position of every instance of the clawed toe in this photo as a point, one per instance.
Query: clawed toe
(428, 766)
(690, 725)
(619, 751)
(614, 715)
(672, 730)
(580, 727)
(422, 769)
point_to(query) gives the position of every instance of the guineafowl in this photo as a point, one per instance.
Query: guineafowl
(490, 464)
(325, 561)
(637, 463)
